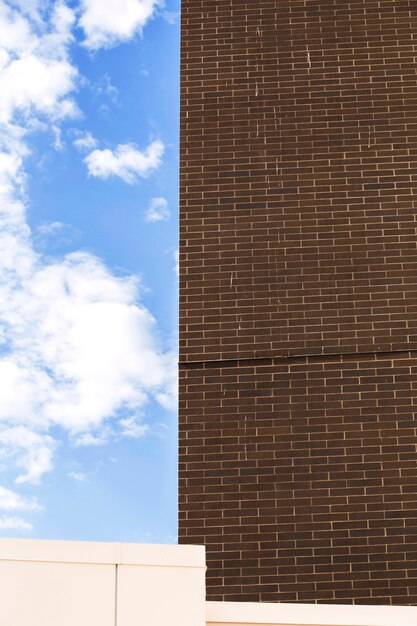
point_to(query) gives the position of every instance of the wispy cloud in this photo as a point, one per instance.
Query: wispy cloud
(177, 263)
(133, 428)
(58, 142)
(14, 523)
(158, 211)
(126, 162)
(30, 451)
(85, 141)
(79, 477)
(171, 17)
(105, 88)
(12, 501)
(55, 235)
(108, 22)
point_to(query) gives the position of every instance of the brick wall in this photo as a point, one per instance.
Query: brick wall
(298, 299)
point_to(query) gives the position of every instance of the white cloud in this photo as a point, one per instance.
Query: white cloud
(14, 523)
(158, 211)
(108, 22)
(36, 75)
(79, 352)
(16, 31)
(34, 82)
(12, 501)
(79, 346)
(126, 162)
(31, 8)
(85, 141)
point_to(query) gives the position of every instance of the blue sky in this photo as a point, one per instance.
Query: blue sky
(88, 269)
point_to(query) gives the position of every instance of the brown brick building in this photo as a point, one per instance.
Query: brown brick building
(298, 358)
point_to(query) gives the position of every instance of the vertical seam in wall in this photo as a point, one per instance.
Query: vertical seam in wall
(116, 581)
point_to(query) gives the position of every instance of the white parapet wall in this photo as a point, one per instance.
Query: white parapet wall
(62, 583)
(258, 614)
(59, 583)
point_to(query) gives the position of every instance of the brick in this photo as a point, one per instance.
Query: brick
(298, 298)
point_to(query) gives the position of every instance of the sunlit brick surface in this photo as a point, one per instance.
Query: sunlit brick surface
(298, 299)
